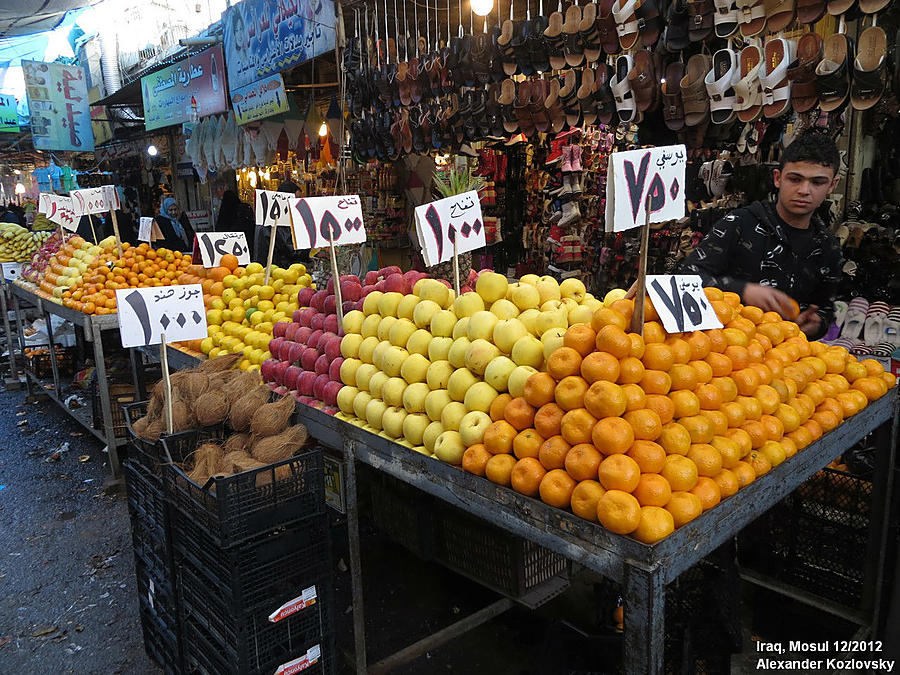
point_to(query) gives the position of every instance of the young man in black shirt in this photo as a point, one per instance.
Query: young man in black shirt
(769, 252)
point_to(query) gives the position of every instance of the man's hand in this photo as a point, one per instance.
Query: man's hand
(768, 299)
(809, 321)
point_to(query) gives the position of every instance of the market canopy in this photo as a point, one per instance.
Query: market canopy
(18, 17)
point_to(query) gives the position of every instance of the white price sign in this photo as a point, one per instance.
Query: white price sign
(681, 303)
(90, 200)
(11, 270)
(146, 313)
(144, 229)
(273, 208)
(634, 175)
(314, 218)
(213, 245)
(457, 218)
(111, 195)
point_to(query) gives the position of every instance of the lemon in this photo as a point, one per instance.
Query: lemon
(206, 344)
(229, 280)
(254, 268)
(266, 292)
(214, 352)
(214, 316)
(228, 295)
(217, 303)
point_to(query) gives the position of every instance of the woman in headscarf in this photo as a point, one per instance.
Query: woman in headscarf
(178, 235)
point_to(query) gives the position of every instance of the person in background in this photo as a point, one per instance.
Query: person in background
(236, 216)
(8, 215)
(177, 232)
(774, 252)
(284, 254)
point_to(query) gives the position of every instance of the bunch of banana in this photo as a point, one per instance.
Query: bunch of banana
(18, 244)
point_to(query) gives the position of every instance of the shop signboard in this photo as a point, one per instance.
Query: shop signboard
(199, 220)
(635, 175)
(194, 87)
(147, 313)
(681, 303)
(9, 115)
(259, 100)
(263, 37)
(58, 100)
(99, 118)
(440, 223)
(319, 222)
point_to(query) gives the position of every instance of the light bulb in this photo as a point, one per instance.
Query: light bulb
(17, 172)
(323, 130)
(152, 151)
(482, 7)
(20, 189)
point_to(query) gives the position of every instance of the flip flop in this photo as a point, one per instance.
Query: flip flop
(802, 73)
(627, 25)
(747, 89)
(693, 90)
(776, 86)
(726, 19)
(779, 14)
(752, 17)
(833, 72)
(810, 11)
(621, 88)
(673, 109)
(869, 75)
(701, 23)
(720, 81)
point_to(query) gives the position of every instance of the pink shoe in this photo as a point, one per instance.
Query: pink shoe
(576, 157)
(566, 158)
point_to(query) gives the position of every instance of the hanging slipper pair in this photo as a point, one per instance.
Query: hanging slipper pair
(637, 20)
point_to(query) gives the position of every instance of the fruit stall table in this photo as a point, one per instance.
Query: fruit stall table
(644, 570)
(92, 327)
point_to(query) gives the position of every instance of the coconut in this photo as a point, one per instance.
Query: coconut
(188, 385)
(182, 417)
(140, 426)
(237, 443)
(233, 461)
(208, 461)
(241, 384)
(154, 429)
(273, 418)
(226, 362)
(277, 447)
(211, 407)
(241, 411)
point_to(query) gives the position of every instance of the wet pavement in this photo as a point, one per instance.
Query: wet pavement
(68, 602)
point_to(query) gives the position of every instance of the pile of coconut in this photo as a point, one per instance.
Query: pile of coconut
(214, 394)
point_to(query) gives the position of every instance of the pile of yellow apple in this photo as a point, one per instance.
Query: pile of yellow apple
(424, 368)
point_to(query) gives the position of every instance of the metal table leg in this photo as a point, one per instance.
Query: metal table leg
(52, 343)
(105, 406)
(886, 439)
(137, 374)
(13, 381)
(359, 620)
(645, 598)
(21, 332)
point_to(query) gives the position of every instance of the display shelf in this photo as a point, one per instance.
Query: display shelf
(81, 415)
(178, 358)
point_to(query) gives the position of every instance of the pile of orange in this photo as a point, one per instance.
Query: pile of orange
(644, 433)
(139, 266)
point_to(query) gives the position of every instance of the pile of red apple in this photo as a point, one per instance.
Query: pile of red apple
(306, 353)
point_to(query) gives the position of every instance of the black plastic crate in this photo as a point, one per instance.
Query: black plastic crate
(816, 538)
(406, 515)
(145, 495)
(117, 399)
(41, 364)
(153, 548)
(155, 587)
(260, 572)
(160, 642)
(493, 557)
(236, 508)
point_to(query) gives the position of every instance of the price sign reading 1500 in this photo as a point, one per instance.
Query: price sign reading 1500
(213, 245)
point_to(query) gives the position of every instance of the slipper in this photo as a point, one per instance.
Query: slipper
(701, 21)
(585, 97)
(620, 86)
(883, 350)
(693, 90)
(869, 69)
(855, 319)
(802, 72)
(892, 327)
(873, 330)
(873, 6)
(720, 81)
(673, 109)
(810, 11)
(677, 36)
(643, 80)
(722, 172)
(589, 33)
(779, 14)
(604, 102)
(606, 25)
(838, 7)
(748, 90)
(752, 17)
(833, 72)
(537, 46)
(779, 54)
(507, 51)
(649, 22)
(574, 50)
(554, 107)
(556, 41)
(726, 19)
(626, 22)
(506, 100)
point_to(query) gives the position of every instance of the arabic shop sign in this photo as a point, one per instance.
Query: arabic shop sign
(259, 100)
(189, 89)
(9, 116)
(263, 37)
(58, 100)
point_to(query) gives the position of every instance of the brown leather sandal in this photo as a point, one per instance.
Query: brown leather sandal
(802, 72)
(810, 11)
(644, 81)
(779, 14)
(694, 97)
(673, 109)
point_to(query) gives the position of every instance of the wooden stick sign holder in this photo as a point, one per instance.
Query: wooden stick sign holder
(638, 289)
(338, 301)
(115, 224)
(93, 231)
(167, 387)
(455, 268)
(273, 231)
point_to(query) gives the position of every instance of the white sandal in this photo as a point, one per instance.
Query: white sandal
(719, 82)
(726, 19)
(776, 85)
(627, 25)
(621, 89)
(748, 89)
(749, 14)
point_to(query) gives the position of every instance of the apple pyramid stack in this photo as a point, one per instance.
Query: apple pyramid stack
(425, 368)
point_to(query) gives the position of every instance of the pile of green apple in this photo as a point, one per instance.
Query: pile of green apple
(423, 368)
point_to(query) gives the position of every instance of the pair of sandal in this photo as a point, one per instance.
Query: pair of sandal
(634, 84)
(764, 80)
(861, 78)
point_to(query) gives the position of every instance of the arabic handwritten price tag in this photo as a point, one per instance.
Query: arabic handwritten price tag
(111, 196)
(145, 313)
(634, 175)
(273, 208)
(681, 303)
(213, 245)
(59, 210)
(11, 270)
(144, 229)
(90, 200)
(440, 222)
(315, 217)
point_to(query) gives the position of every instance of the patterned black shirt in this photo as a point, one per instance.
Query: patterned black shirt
(753, 244)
